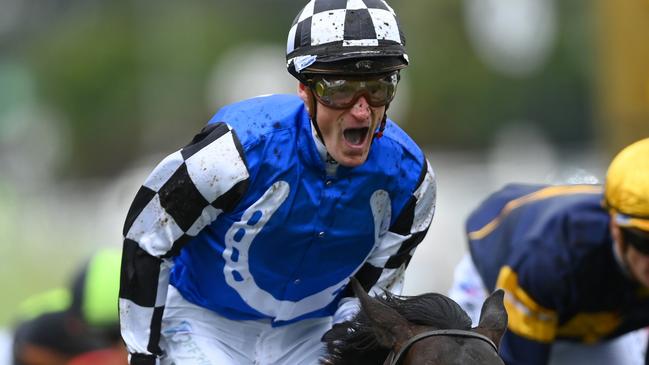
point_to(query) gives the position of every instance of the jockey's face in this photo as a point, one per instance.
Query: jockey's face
(348, 132)
(637, 261)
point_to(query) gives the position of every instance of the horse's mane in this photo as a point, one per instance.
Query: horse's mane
(353, 342)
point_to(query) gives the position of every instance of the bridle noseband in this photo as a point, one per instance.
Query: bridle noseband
(394, 359)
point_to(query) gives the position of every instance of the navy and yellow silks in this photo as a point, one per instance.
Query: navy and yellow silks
(550, 248)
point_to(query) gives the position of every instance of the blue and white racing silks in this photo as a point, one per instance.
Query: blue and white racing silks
(248, 221)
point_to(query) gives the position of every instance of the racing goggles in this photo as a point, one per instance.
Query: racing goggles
(342, 93)
(636, 238)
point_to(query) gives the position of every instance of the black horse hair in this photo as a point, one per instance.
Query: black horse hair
(353, 342)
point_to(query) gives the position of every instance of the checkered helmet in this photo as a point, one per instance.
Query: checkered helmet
(345, 37)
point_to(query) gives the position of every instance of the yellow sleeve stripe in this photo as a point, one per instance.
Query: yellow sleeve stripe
(527, 318)
(545, 193)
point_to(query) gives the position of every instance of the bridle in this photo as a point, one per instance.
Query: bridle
(394, 359)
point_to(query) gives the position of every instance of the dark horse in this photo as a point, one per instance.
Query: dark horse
(427, 329)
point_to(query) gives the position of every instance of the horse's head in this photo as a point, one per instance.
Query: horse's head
(430, 329)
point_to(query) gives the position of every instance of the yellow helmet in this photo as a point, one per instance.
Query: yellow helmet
(627, 186)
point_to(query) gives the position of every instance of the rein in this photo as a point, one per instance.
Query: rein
(394, 359)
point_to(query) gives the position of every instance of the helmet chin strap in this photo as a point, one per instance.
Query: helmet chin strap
(314, 121)
(379, 133)
(314, 117)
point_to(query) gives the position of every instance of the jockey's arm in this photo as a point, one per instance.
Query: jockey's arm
(178, 199)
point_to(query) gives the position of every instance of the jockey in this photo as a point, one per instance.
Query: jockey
(573, 261)
(55, 326)
(239, 247)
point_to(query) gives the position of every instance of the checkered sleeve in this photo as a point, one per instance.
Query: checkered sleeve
(385, 268)
(184, 193)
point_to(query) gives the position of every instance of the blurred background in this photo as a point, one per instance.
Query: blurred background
(93, 93)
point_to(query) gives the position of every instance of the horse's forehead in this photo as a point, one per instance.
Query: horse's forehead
(450, 350)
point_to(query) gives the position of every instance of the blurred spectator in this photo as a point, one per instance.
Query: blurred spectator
(76, 325)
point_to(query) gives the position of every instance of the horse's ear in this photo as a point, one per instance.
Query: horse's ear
(389, 327)
(493, 317)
